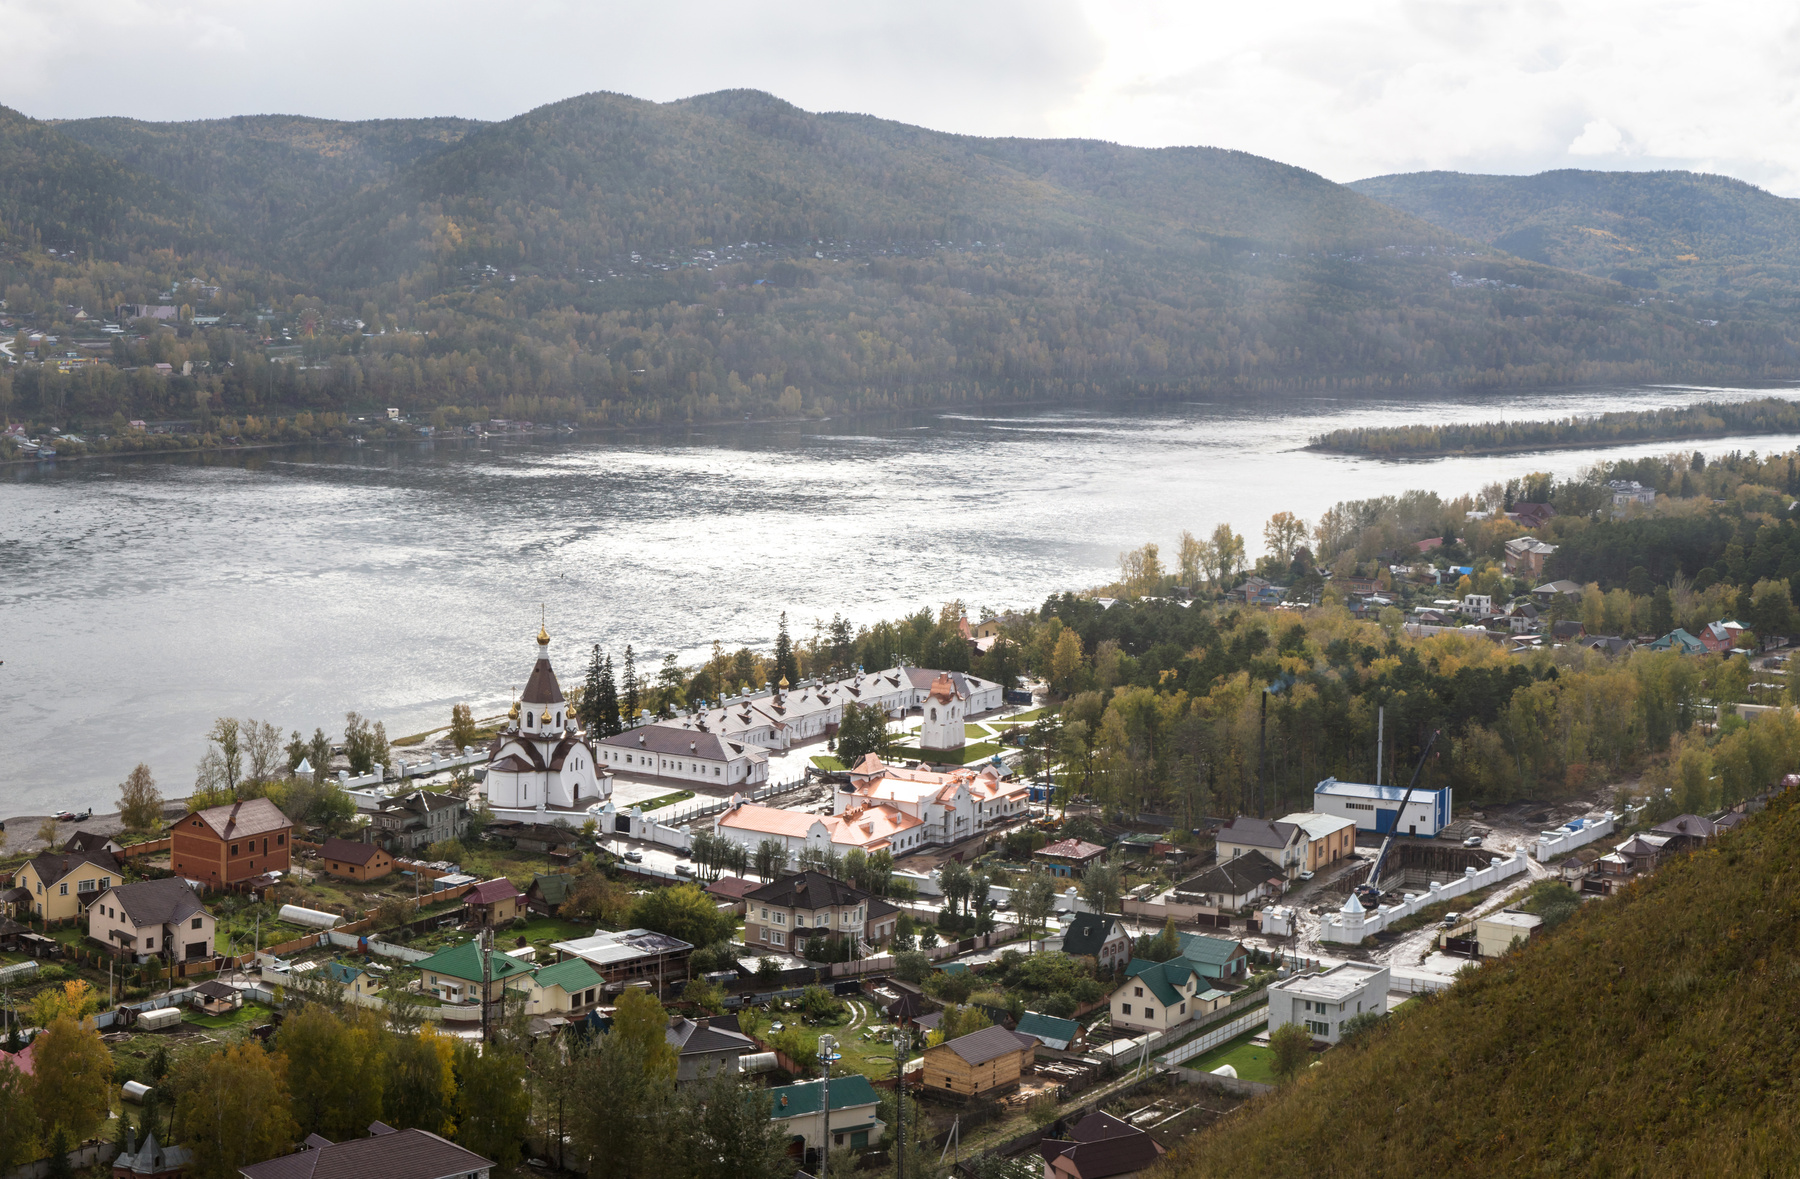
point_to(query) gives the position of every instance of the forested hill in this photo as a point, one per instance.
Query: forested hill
(1652, 1034)
(1683, 232)
(607, 260)
(588, 179)
(258, 175)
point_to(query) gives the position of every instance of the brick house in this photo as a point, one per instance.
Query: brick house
(355, 860)
(805, 905)
(226, 844)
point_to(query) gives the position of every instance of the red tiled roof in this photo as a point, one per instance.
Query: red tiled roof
(240, 820)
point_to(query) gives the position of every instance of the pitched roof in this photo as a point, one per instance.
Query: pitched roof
(343, 972)
(1234, 877)
(1055, 1033)
(1209, 951)
(1693, 826)
(397, 1154)
(671, 741)
(52, 866)
(350, 851)
(240, 820)
(153, 1158)
(807, 890)
(571, 974)
(807, 1097)
(1257, 832)
(1086, 933)
(552, 887)
(1316, 825)
(490, 891)
(88, 841)
(156, 902)
(691, 1039)
(732, 887)
(422, 802)
(464, 961)
(212, 988)
(987, 1044)
(1163, 978)
(1099, 1146)
(1073, 849)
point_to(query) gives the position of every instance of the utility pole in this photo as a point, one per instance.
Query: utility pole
(1380, 733)
(1262, 741)
(900, 1056)
(484, 946)
(826, 1045)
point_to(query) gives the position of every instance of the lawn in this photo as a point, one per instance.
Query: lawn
(873, 1058)
(248, 1014)
(827, 762)
(1251, 1062)
(665, 800)
(970, 753)
(545, 929)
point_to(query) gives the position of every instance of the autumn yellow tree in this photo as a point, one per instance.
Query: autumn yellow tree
(236, 1112)
(71, 1078)
(1283, 534)
(74, 1000)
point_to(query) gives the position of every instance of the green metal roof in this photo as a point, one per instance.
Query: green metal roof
(1048, 1027)
(464, 962)
(572, 975)
(341, 972)
(1163, 978)
(1208, 951)
(553, 886)
(793, 1101)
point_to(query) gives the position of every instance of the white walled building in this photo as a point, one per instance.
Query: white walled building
(1377, 808)
(870, 828)
(685, 755)
(541, 758)
(1322, 1003)
(785, 715)
(941, 726)
(951, 805)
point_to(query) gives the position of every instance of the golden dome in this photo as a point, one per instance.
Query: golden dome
(543, 637)
(514, 714)
(784, 682)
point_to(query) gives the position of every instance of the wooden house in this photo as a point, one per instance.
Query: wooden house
(981, 1064)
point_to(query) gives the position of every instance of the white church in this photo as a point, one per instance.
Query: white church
(941, 716)
(542, 758)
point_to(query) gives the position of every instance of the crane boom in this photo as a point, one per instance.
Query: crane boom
(1371, 890)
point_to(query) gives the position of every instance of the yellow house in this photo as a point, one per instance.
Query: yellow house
(560, 989)
(62, 884)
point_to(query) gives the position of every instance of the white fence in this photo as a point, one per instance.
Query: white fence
(402, 769)
(1415, 984)
(376, 946)
(1205, 1043)
(1352, 924)
(1563, 840)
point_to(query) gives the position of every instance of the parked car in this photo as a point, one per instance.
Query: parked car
(65, 816)
(1472, 841)
(1306, 875)
(634, 855)
(1451, 919)
(684, 870)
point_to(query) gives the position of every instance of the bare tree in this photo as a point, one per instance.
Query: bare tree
(263, 750)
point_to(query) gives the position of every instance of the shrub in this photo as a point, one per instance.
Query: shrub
(1061, 1005)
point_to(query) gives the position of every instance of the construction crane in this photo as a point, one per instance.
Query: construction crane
(1369, 892)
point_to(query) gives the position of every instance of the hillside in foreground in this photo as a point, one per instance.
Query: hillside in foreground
(1652, 1034)
(1684, 233)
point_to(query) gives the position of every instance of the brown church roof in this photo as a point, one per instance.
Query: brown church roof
(542, 687)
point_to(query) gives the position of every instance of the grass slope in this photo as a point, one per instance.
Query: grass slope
(1653, 1034)
(1681, 232)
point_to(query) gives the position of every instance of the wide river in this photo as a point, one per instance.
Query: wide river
(140, 598)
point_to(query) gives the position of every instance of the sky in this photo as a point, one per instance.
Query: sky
(1350, 88)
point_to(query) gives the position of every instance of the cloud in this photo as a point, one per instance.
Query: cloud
(1347, 89)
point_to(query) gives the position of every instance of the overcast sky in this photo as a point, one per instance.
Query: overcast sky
(1349, 89)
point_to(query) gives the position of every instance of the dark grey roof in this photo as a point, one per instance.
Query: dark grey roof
(156, 902)
(1102, 1145)
(988, 1043)
(52, 866)
(88, 841)
(669, 741)
(807, 890)
(1086, 933)
(1233, 877)
(421, 802)
(212, 988)
(1257, 832)
(398, 1154)
(690, 1038)
(1692, 826)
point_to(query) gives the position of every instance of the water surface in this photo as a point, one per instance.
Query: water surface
(141, 597)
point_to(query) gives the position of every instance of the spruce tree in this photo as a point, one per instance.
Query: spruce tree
(631, 687)
(785, 665)
(609, 701)
(589, 712)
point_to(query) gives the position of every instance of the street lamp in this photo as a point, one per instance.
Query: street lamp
(827, 1044)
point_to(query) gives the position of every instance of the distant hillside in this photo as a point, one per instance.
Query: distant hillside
(590, 179)
(1651, 1035)
(1683, 232)
(258, 174)
(609, 260)
(60, 194)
